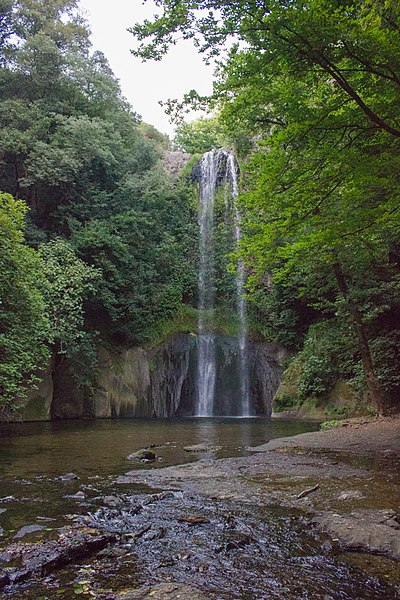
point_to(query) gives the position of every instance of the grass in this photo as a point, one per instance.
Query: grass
(219, 320)
(184, 321)
(329, 424)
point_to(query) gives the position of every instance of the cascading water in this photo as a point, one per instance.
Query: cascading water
(206, 362)
(215, 168)
(240, 298)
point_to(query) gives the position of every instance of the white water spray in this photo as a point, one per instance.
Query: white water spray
(240, 298)
(206, 362)
(217, 167)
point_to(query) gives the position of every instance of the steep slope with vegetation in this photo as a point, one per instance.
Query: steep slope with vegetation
(314, 89)
(106, 252)
(98, 245)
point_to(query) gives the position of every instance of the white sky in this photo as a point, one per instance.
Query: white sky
(144, 84)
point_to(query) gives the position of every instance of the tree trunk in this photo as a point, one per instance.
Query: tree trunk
(374, 387)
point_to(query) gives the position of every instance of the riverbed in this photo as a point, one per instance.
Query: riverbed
(217, 526)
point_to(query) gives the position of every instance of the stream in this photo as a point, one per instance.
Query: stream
(228, 549)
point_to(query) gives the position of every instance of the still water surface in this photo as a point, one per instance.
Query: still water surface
(34, 455)
(100, 447)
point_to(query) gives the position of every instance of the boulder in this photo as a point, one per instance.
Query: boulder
(143, 454)
(374, 531)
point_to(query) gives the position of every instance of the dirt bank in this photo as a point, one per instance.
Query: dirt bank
(366, 436)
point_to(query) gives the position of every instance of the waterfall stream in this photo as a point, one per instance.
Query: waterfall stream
(218, 167)
(206, 364)
(240, 298)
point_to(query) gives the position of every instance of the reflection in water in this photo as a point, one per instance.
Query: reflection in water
(92, 448)
(207, 433)
(245, 436)
(33, 455)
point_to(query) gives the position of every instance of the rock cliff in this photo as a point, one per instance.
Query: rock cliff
(159, 382)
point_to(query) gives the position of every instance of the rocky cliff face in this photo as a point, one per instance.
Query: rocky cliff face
(161, 381)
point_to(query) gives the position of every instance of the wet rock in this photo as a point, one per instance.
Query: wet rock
(164, 591)
(155, 534)
(173, 161)
(67, 477)
(351, 495)
(1, 531)
(193, 520)
(27, 530)
(2, 510)
(41, 559)
(111, 500)
(112, 552)
(5, 556)
(143, 454)
(202, 448)
(388, 453)
(366, 531)
(79, 496)
(236, 544)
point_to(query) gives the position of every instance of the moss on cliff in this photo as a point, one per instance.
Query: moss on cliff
(342, 400)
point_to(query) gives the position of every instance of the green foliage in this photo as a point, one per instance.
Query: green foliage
(23, 324)
(329, 353)
(329, 424)
(199, 136)
(286, 402)
(150, 133)
(340, 412)
(115, 234)
(317, 83)
(144, 254)
(280, 314)
(67, 282)
(329, 39)
(183, 321)
(308, 92)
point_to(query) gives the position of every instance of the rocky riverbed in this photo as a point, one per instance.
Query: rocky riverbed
(310, 516)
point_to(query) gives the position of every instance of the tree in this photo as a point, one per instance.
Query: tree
(67, 283)
(23, 321)
(333, 39)
(319, 204)
(199, 136)
(318, 83)
(144, 252)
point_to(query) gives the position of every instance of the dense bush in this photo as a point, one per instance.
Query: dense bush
(24, 327)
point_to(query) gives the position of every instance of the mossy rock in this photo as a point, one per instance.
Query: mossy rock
(288, 395)
(341, 402)
(37, 409)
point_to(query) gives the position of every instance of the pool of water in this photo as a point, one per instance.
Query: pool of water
(34, 455)
(101, 448)
(242, 552)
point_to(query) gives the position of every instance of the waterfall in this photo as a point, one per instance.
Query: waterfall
(216, 168)
(206, 363)
(240, 298)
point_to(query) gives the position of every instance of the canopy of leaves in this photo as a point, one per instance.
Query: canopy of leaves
(114, 233)
(68, 281)
(199, 136)
(317, 84)
(23, 324)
